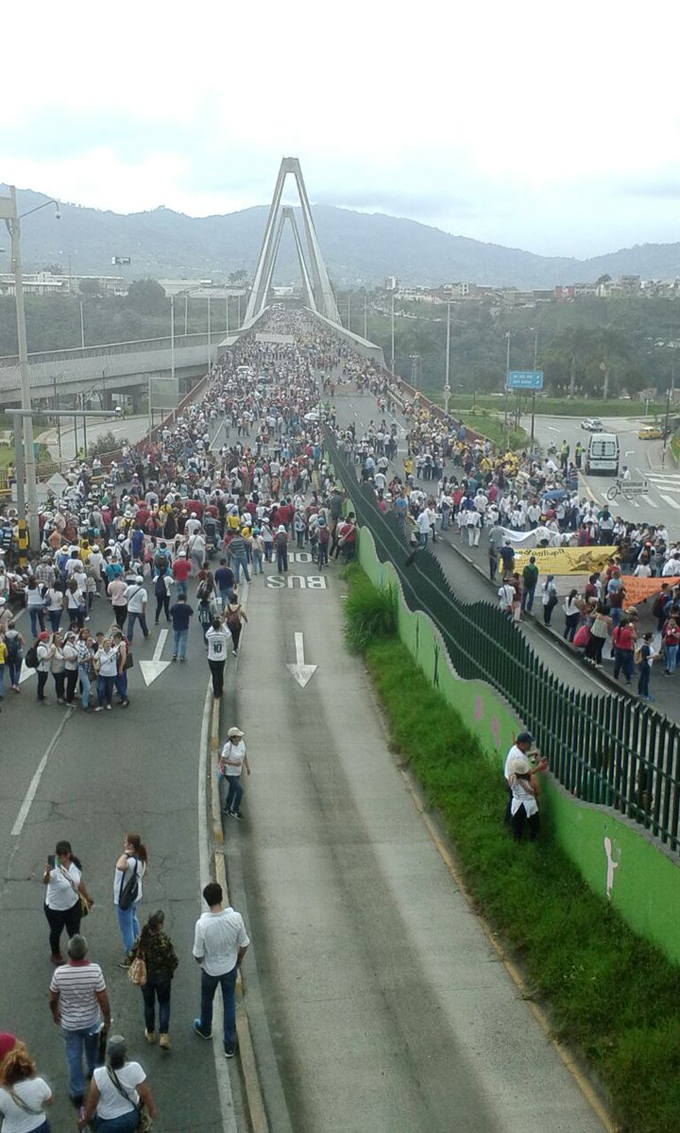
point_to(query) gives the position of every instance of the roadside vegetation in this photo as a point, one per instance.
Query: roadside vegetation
(610, 994)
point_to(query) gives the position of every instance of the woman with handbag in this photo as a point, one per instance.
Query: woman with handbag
(127, 891)
(154, 961)
(119, 1094)
(66, 899)
(23, 1097)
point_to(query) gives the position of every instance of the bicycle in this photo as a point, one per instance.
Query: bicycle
(620, 489)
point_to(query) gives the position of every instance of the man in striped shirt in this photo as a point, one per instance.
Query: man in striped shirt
(78, 1002)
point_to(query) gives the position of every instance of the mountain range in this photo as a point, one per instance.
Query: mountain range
(360, 249)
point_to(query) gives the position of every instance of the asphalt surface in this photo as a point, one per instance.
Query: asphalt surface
(375, 1000)
(645, 459)
(133, 769)
(131, 429)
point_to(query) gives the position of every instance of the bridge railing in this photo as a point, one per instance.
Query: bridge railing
(602, 748)
(103, 348)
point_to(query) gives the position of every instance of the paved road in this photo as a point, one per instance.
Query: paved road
(131, 429)
(375, 1000)
(102, 775)
(661, 504)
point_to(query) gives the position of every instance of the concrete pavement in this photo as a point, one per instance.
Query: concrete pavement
(131, 429)
(375, 1000)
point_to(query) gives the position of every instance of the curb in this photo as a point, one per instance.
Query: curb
(215, 803)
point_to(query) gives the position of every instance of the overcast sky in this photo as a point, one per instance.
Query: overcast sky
(554, 128)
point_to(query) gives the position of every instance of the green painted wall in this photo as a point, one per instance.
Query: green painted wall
(614, 856)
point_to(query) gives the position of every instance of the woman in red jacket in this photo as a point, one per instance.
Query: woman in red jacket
(624, 646)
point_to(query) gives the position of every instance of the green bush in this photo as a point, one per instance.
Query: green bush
(609, 991)
(370, 614)
(107, 442)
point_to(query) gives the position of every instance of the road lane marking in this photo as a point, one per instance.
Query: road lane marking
(153, 668)
(301, 672)
(669, 500)
(35, 781)
(228, 1123)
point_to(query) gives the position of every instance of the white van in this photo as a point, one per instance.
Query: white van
(603, 454)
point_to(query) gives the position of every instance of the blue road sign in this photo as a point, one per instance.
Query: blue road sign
(525, 379)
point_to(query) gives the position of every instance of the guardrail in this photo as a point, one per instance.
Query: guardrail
(603, 749)
(104, 348)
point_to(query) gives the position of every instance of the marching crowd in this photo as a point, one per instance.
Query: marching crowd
(238, 480)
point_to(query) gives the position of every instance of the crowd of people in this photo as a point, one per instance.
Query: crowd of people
(169, 537)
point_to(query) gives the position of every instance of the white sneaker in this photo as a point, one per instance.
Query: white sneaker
(99, 708)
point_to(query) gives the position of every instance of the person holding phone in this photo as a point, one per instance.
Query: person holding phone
(63, 877)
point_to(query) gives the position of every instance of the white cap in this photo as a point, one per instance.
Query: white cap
(139, 578)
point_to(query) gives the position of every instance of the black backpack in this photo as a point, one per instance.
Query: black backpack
(31, 658)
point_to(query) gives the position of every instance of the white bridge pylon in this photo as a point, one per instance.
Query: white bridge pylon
(315, 282)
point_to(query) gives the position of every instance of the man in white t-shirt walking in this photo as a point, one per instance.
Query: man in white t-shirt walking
(220, 943)
(78, 1002)
(136, 599)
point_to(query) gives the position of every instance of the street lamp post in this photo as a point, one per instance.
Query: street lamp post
(392, 328)
(365, 313)
(172, 338)
(8, 212)
(447, 384)
(82, 326)
(508, 335)
(349, 311)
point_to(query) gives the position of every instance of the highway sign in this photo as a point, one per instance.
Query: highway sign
(57, 483)
(524, 379)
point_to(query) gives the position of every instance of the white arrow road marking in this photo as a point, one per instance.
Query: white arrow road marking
(25, 672)
(302, 673)
(154, 668)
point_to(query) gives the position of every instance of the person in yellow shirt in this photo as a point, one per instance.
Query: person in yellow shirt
(408, 466)
(3, 661)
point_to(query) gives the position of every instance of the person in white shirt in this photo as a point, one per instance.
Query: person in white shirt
(22, 1095)
(117, 1091)
(472, 519)
(220, 943)
(136, 599)
(233, 759)
(217, 642)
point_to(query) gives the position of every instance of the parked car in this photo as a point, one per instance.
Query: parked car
(592, 425)
(651, 433)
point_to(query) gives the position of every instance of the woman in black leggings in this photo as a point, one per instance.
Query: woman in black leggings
(65, 886)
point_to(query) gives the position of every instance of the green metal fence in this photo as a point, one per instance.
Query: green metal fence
(604, 749)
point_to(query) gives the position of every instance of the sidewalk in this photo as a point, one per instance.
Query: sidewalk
(549, 643)
(385, 1004)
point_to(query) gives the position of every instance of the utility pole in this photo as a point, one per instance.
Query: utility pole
(31, 512)
(172, 338)
(447, 384)
(349, 311)
(209, 354)
(365, 313)
(392, 328)
(82, 326)
(508, 335)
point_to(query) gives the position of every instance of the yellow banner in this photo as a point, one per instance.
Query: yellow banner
(566, 560)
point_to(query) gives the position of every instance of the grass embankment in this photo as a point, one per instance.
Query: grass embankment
(553, 406)
(610, 993)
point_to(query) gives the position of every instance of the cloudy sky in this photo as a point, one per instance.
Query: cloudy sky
(554, 128)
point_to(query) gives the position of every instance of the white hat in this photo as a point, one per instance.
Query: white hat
(139, 578)
(234, 732)
(280, 528)
(520, 765)
(182, 553)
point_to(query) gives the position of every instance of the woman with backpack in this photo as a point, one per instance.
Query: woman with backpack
(158, 953)
(15, 644)
(35, 604)
(130, 870)
(161, 587)
(548, 598)
(235, 615)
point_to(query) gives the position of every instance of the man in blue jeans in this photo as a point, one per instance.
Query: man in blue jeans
(220, 943)
(79, 1003)
(181, 614)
